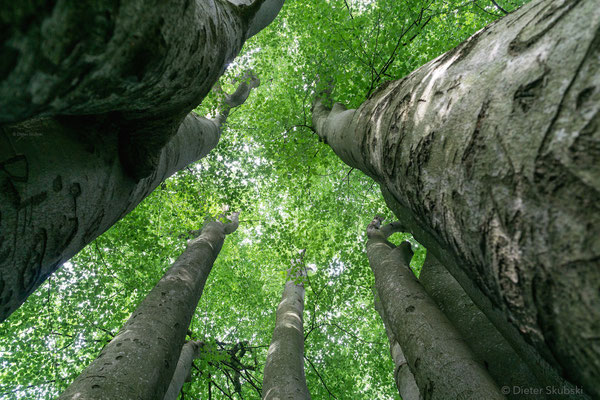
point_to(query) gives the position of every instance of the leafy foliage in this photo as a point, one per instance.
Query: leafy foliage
(293, 194)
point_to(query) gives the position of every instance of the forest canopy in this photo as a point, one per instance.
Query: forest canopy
(293, 194)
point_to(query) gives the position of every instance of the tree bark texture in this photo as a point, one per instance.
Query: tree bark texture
(283, 376)
(405, 380)
(189, 353)
(441, 362)
(140, 59)
(489, 347)
(95, 101)
(490, 155)
(140, 361)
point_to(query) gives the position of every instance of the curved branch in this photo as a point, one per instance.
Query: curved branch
(248, 81)
(498, 7)
(319, 376)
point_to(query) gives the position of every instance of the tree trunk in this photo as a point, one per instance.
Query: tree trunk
(189, 353)
(140, 59)
(405, 380)
(283, 376)
(441, 362)
(490, 156)
(489, 347)
(139, 362)
(95, 101)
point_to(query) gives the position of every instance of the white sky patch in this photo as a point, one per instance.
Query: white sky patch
(359, 6)
(336, 268)
(244, 61)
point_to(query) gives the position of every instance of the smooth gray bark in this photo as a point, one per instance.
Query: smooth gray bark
(140, 361)
(95, 101)
(405, 380)
(189, 353)
(489, 347)
(441, 362)
(266, 13)
(283, 376)
(490, 156)
(546, 373)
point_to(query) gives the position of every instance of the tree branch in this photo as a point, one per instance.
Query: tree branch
(320, 377)
(349, 10)
(498, 7)
(387, 230)
(248, 81)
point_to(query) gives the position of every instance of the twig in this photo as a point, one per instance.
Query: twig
(486, 11)
(222, 391)
(352, 334)
(498, 7)
(349, 10)
(99, 252)
(320, 377)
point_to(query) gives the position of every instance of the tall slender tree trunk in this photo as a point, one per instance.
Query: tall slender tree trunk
(95, 101)
(489, 347)
(442, 364)
(139, 362)
(490, 156)
(188, 354)
(405, 380)
(283, 376)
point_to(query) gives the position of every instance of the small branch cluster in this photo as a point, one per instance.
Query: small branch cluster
(230, 360)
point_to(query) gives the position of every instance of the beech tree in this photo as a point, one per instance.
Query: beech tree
(405, 380)
(140, 360)
(489, 347)
(284, 368)
(488, 155)
(95, 113)
(439, 359)
(294, 193)
(189, 352)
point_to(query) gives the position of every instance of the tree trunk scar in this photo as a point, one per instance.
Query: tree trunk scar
(593, 46)
(462, 50)
(476, 142)
(532, 32)
(526, 94)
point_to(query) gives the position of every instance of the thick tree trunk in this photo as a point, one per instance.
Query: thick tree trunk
(140, 58)
(546, 373)
(95, 101)
(283, 376)
(139, 362)
(441, 362)
(490, 155)
(405, 380)
(489, 347)
(189, 353)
